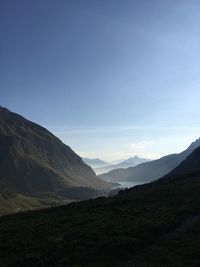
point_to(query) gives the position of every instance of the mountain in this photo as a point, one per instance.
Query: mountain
(95, 163)
(33, 161)
(130, 162)
(189, 166)
(152, 170)
(156, 224)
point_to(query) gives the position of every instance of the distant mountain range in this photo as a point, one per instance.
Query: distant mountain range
(33, 162)
(150, 171)
(100, 166)
(95, 163)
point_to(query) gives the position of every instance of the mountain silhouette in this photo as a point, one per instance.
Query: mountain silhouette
(189, 166)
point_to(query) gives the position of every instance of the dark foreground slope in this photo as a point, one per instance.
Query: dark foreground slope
(188, 166)
(150, 171)
(152, 225)
(33, 161)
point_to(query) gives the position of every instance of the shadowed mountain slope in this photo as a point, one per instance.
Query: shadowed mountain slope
(190, 166)
(32, 160)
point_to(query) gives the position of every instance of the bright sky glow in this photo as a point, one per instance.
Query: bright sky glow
(111, 78)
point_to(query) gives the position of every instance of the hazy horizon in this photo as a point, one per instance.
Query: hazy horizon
(112, 79)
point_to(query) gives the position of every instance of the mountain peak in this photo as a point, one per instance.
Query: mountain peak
(134, 157)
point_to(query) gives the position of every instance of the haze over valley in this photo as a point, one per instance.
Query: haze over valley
(100, 166)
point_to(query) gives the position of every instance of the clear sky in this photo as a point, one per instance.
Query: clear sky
(111, 78)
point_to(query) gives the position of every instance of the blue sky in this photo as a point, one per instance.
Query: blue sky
(111, 78)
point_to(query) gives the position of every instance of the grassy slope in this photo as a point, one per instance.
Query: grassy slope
(137, 228)
(19, 202)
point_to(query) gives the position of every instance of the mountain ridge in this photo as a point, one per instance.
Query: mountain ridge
(189, 166)
(33, 160)
(130, 162)
(150, 171)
